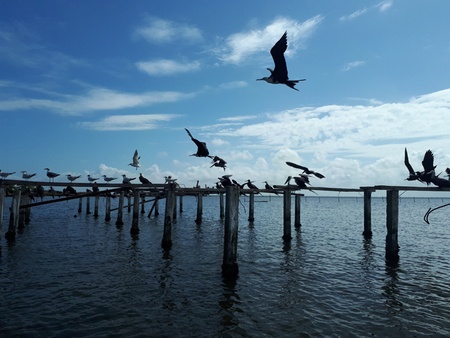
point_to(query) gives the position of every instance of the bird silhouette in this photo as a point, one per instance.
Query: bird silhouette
(143, 179)
(269, 187)
(109, 179)
(225, 181)
(202, 150)
(136, 159)
(428, 166)
(51, 175)
(5, 175)
(250, 185)
(219, 162)
(72, 178)
(127, 180)
(305, 170)
(26, 176)
(280, 73)
(91, 179)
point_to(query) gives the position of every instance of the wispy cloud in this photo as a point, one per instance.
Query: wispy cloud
(167, 67)
(159, 31)
(241, 45)
(128, 122)
(233, 85)
(238, 118)
(382, 6)
(351, 65)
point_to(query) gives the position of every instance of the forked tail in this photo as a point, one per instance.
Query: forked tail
(292, 83)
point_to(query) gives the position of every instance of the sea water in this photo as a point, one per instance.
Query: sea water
(69, 274)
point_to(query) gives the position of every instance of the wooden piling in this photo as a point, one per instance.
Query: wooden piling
(168, 217)
(96, 198)
(251, 207)
(143, 204)
(392, 247)
(14, 216)
(129, 202)
(230, 268)
(199, 208)
(2, 209)
(88, 205)
(287, 215)
(157, 207)
(181, 203)
(80, 205)
(297, 223)
(119, 221)
(108, 208)
(367, 214)
(25, 199)
(174, 206)
(135, 223)
(222, 209)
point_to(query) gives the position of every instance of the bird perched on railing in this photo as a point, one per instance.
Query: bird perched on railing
(169, 179)
(202, 150)
(109, 179)
(26, 176)
(136, 159)
(127, 180)
(5, 175)
(51, 175)
(269, 187)
(300, 181)
(225, 180)
(91, 179)
(280, 73)
(250, 185)
(143, 179)
(72, 178)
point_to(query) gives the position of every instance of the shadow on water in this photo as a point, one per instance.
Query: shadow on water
(391, 290)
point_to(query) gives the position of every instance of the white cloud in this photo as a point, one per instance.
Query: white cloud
(167, 67)
(241, 45)
(382, 6)
(238, 118)
(219, 142)
(351, 65)
(233, 85)
(164, 31)
(128, 122)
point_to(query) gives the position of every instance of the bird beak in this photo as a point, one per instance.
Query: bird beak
(259, 79)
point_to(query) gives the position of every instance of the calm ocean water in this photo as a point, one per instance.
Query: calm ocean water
(67, 276)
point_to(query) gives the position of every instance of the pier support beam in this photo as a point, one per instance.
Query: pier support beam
(251, 208)
(175, 207)
(96, 198)
(143, 204)
(168, 217)
(108, 208)
(199, 208)
(14, 216)
(2, 209)
(88, 205)
(297, 223)
(135, 223)
(367, 214)
(230, 268)
(181, 204)
(222, 209)
(157, 206)
(119, 221)
(392, 247)
(80, 205)
(287, 215)
(24, 214)
(129, 202)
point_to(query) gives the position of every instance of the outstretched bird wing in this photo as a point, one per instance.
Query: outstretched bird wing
(407, 164)
(428, 161)
(296, 166)
(202, 149)
(277, 51)
(135, 157)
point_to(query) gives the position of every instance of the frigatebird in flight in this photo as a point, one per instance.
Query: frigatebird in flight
(428, 166)
(305, 170)
(280, 73)
(218, 162)
(202, 151)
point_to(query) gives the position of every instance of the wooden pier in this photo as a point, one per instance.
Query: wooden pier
(21, 205)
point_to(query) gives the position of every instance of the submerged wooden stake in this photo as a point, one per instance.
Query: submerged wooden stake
(199, 208)
(96, 198)
(2, 209)
(135, 223)
(287, 215)
(129, 202)
(108, 208)
(119, 221)
(168, 217)
(251, 207)
(143, 204)
(14, 216)
(80, 205)
(230, 268)
(222, 209)
(88, 205)
(392, 247)
(181, 204)
(297, 223)
(174, 206)
(367, 214)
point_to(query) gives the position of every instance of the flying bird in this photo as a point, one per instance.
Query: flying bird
(202, 150)
(127, 180)
(91, 179)
(5, 175)
(109, 179)
(219, 162)
(305, 170)
(136, 159)
(143, 179)
(72, 178)
(26, 176)
(51, 175)
(280, 73)
(428, 166)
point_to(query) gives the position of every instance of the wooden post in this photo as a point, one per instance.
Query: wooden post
(2, 209)
(174, 206)
(251, 208)
(28, 211)
(168, 217)
(14, 216)
(108, 208)
(143, 204)
(157, 206)
(119, 221)
(88, 205)
(135, 223)
(230, 266)
(96, 198)
(199, 208)
(23, 201)
(129, 202)
(367, 214)
(392, 247)
(287, 215)
(181, 203)
(222, 209)
(80, 205)
(297, 223)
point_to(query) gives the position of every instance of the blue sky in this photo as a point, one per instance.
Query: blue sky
(85, 83)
